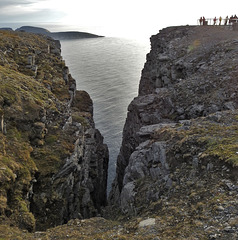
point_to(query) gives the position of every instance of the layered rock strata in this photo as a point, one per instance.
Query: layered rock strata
(180, 135)
(53, 162)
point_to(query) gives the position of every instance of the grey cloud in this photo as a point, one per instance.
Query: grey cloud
(10, 13)
(6, 3)
(42, 15)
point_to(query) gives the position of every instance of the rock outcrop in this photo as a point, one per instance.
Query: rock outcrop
(177, 171)
(53, 162)
(179, 145)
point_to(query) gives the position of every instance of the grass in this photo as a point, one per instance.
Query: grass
(22, 101)
(215, 139)
(22, 93)
(221, 141)
(18, 169)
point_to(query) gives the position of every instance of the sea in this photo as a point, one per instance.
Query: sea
(109, 69)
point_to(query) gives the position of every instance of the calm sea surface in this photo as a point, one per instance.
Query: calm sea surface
(109, 69)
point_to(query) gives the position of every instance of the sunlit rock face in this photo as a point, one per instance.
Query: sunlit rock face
(172, 139)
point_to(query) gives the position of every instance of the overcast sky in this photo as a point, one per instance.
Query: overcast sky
(115, 17)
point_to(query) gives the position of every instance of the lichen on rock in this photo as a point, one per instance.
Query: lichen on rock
(47, 161)
(177, 168)
(180, 137)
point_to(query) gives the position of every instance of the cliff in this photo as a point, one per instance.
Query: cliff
(179, 154)
(53, 163)
(177, 167)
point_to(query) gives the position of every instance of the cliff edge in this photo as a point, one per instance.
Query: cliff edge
(177, 171)
(53, 163)
(179, 154)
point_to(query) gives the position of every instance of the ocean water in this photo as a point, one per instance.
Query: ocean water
(109, 69)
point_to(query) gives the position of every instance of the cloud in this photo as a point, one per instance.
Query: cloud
(10, 3)
(36, 16)
(114, 14)
(28, 10)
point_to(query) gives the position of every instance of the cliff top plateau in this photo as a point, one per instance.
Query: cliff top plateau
(177, 170)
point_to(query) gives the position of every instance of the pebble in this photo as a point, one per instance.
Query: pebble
(229, 229)
(147, 222)
(220, 208)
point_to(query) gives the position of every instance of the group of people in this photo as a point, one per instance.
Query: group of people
(227, 20)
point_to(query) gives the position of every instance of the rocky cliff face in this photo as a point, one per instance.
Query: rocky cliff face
(179, 158)
(177, 168)
(53, 163)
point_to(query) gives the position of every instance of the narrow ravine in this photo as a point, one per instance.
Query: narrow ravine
(109, 69)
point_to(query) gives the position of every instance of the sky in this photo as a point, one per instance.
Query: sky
(111, 17)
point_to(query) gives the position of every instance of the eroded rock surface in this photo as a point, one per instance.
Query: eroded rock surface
(177, 168)
(53, 161)
(180, 135)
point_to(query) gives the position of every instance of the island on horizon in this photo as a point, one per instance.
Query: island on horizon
(55, 35)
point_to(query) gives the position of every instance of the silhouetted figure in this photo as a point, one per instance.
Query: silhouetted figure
(231, 20)
(220, 18)
(200, 21)
(235, 18)
(226, 20)
(203, 21)
(214, 21)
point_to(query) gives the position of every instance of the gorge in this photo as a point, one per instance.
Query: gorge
(177, 168)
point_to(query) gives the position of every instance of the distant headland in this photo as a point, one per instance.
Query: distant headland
(55, 35)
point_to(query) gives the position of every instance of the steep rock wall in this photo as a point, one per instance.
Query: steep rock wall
(190, 73)
(77, 189)
(53, 163)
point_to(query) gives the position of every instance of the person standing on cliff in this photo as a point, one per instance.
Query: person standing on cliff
(214, 21)
(226, 20)
(220, 18)
(200, 20)
(235, 18)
